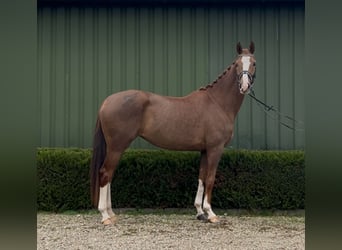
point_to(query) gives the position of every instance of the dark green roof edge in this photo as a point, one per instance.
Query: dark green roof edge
(165, 2)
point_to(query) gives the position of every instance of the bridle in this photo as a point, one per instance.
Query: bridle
(249, 75)
(251, 78)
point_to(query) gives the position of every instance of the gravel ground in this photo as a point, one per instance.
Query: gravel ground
(169, 231)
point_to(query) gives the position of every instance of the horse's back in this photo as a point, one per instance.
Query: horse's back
(137, 100)
(124, 101)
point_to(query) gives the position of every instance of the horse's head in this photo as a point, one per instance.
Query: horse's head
(245, 66)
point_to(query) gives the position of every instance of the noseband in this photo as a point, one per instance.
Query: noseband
(250, 78)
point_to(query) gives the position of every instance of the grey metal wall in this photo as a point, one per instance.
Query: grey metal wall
(85, 54)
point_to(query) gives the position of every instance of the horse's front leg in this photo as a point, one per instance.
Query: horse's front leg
(213, 158)
(200, 190)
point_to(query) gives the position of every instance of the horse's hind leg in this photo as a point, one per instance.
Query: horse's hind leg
(106, 175)
(102, 207)
(109, 205)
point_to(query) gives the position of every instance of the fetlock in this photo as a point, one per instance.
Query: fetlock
(104, 178)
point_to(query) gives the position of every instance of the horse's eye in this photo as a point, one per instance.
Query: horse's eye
(254, 64)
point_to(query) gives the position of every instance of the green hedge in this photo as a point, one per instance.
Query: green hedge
(160, 179)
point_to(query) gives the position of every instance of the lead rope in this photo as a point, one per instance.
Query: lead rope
(266, 108)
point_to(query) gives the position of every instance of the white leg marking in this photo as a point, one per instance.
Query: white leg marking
(103, 202)
(109, 202)
(199, 198)
(207, 208)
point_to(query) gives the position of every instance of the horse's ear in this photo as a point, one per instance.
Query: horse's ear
(239, 48)
(252, 47)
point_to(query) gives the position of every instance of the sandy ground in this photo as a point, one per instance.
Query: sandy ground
(169, 231)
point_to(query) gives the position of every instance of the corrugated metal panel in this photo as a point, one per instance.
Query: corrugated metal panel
(85, 54)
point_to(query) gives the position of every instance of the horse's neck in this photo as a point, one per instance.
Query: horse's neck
(226, 93)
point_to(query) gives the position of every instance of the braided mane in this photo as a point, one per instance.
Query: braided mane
(210, 85)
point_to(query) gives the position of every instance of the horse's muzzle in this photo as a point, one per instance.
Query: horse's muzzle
(244, 88)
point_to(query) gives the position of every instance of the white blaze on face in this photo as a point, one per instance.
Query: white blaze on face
(245, 66)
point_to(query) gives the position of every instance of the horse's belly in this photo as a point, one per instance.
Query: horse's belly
(174, 140)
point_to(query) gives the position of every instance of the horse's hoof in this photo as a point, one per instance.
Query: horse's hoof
(214, 219)
(107, 221)
(202, 217)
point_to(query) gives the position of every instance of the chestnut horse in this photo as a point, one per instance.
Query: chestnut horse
(201, 121)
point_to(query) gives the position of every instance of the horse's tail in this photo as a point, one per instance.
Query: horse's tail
(99, 153)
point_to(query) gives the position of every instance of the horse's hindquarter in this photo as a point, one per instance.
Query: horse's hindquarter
(121, 115)
(185, 123)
